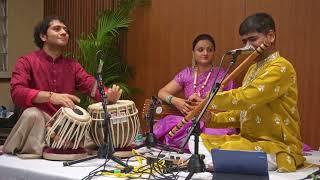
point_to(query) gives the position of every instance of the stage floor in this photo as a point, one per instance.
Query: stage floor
(12, 167)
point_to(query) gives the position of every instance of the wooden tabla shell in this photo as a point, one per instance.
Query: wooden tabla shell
(125, 123)
(66, 128)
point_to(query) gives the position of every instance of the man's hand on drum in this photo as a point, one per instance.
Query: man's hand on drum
(114, 94)
(66, 100)
(182, 105)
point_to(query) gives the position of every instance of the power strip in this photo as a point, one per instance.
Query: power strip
(173, 160)
(152, 159)
(171, 165)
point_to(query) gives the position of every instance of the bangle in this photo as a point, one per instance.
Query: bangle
(50, 94)
(168, 99)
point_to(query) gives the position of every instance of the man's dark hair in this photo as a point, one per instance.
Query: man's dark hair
(203, 37)
(259, 22)
(42, 28)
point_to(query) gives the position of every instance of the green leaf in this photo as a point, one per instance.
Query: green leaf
(103, 44)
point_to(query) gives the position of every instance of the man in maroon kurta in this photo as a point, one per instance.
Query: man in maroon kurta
(42, 82)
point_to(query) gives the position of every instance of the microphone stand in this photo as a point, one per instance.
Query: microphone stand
(151, 141)
(106, 150)
(196, 163)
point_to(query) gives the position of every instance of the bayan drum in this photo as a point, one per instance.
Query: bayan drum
(124, 122)
(65, 133)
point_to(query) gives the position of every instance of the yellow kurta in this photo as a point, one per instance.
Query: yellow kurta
(265, 107)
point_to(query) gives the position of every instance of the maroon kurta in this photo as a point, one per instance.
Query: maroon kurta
(37, 72)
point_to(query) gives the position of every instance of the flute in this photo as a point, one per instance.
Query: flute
(231, 76)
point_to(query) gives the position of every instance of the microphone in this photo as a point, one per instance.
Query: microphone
(244, 50)
(100, 61)
(95, 85)
(100, 66)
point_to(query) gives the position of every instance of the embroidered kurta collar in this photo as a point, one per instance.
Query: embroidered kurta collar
(271, 57)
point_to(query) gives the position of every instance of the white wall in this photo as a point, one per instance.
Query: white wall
(22, 17)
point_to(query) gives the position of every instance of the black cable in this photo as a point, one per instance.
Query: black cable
(94, 172)
(314, 175)
(220, 65)
(156, 170)
(161, 173)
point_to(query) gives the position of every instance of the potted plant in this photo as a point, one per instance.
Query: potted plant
(104, 44)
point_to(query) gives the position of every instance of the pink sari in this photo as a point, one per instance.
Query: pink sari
(185, 79)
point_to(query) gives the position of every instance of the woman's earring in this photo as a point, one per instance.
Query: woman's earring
(193, 61)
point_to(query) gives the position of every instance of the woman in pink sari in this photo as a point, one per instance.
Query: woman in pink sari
(195, 82)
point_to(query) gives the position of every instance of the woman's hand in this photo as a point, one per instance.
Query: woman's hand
(66, 100)
(182, 105)
(114, 94)
(195, 98)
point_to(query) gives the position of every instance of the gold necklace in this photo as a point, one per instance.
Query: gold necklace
(195, 81)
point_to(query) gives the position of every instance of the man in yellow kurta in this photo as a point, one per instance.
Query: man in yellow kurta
(265, 106)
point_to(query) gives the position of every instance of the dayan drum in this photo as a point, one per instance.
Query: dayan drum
(67, 127)
(124, 122)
